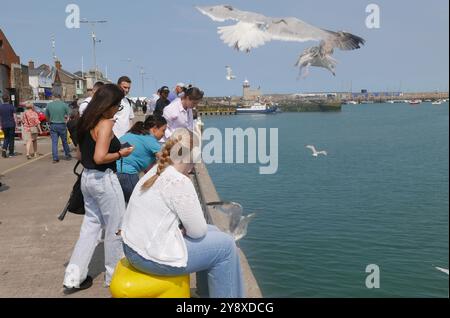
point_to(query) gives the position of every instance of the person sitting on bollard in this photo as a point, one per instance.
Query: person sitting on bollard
(165, 232)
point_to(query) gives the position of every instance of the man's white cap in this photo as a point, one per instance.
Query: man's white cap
(180, 84)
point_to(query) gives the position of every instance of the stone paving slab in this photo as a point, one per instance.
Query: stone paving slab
(35, 246)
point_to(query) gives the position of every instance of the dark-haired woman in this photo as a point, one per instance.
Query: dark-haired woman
(179, 113)
(144, 137)
(104, 204)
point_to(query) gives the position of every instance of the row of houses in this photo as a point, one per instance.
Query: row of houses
(27, 82)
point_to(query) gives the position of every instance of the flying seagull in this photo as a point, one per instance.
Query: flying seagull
(237, 224)
(315, 152)
(230, 75)
(444, 270)
(316, 56)
(253, 30)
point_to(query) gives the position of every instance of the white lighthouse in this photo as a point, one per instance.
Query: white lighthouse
(249, 93)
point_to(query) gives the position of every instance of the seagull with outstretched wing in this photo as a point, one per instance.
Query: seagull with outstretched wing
(253, 30)
(444, 270)
(230, 75)
(237, 223)
(316, 56)
(315, 152)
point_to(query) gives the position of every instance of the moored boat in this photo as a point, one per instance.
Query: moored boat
(258, 108)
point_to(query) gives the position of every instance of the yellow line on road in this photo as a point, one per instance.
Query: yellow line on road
(24, 164)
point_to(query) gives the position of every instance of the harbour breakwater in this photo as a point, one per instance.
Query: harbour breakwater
(284, 106)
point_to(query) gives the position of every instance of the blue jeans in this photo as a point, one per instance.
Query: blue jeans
(215, 259)
(8, 142)
(105, 207)
(59, 131)
(128, 182)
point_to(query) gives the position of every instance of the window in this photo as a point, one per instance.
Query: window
(1, 44)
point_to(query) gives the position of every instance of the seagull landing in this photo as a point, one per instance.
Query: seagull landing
(230, 75)
(315, 152)
(318, 57)
(237, 223)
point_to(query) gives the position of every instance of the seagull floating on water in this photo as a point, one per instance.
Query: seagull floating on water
(230, 75)
(254, 30)
(315, 152)
(238, 224)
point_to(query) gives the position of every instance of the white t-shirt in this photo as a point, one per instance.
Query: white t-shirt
(122, 119)
(177, 117)
(150, 225)
(84, 105)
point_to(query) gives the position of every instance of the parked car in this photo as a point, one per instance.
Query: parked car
(45, 125)
(42, 104)
(39, 107)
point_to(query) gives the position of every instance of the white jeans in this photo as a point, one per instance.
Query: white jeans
(105, 206)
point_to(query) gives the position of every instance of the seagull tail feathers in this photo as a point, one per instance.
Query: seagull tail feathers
(243, 36)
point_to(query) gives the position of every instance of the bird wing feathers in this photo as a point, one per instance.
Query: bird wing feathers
(444, 270)
(222, 13)
(254, 30)
(243, 36)
(307, 56)
(312, 148)
(293, 29)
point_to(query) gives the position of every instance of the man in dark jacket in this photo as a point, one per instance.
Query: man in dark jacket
(8, 124)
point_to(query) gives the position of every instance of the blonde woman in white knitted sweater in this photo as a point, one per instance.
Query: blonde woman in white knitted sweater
(165, 231)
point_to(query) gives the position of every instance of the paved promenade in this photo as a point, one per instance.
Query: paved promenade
(35, 246)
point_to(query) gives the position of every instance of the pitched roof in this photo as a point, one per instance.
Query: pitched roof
(7, 54)
(71, 75)
(46, 71)
(43, 70)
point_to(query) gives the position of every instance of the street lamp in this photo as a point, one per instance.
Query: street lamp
(142, 73)
(94, 41)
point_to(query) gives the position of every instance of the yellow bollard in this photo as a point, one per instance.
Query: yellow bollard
(69, 140)
(128, 282)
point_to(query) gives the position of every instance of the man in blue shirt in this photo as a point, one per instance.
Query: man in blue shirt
(8, 124)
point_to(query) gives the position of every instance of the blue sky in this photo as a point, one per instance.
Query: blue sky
(174, 42)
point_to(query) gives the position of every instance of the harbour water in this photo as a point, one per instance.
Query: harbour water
(381, 196)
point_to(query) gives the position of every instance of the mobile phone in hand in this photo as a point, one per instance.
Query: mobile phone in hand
(125, 145)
